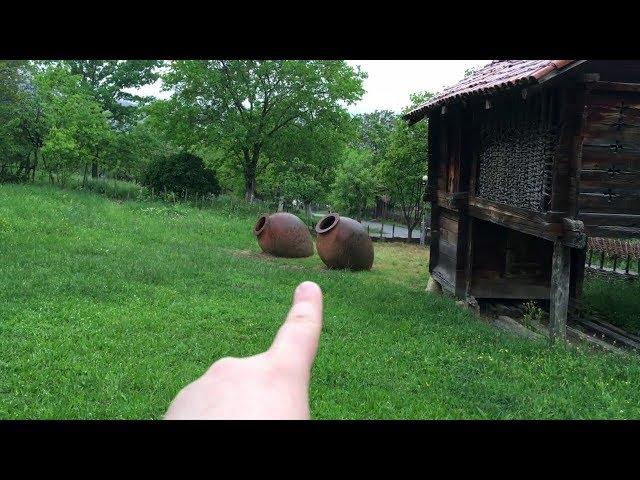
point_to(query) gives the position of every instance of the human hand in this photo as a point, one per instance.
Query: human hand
(271, 385)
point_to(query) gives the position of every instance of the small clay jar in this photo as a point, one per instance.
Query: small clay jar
(283, 235)
(344, 243)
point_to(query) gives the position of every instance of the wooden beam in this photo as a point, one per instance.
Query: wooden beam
(558, 74)
(612, 231)
(525, 221)
(617, 86)
(590, 77)
(433, 138)
(559, 294)
(468, 267)
(625, 340)
(452, 201)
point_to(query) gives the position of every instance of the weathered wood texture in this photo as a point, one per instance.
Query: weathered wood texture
(609, 199)
(567, 161)
(448, 253)
(559, 295)
(447, 248)
(508, 264)
(519, 219)
(492, 247)
(616, 334)
(433, 168)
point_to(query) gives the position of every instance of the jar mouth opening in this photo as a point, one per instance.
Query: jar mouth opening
(260, 225)
(327, 223)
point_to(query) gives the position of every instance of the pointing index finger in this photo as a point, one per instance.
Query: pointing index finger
(296, 342)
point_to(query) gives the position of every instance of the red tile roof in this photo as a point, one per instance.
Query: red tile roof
(498, 75)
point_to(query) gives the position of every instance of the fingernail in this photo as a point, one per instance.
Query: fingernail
(305, 291)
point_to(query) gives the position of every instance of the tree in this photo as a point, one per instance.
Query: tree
(14, 149)
(107, 80)
(244, 106)
(404, 166)
(134, 149)
(354, 188)
(301, 165)
(76, 127)
(375, 128)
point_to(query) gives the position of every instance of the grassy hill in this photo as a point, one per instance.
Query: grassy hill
(108, 308)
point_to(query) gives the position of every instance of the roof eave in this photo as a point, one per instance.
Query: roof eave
(554, 69)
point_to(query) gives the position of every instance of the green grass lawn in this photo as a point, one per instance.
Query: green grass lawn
(615, 300)
(107, 309)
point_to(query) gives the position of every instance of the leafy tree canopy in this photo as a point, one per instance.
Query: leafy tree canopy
(76, 126)
(405, 164)
(108, 80)
(374, 129)
(245, 106)
(355, 185)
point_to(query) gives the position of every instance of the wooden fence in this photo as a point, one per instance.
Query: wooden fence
(614, 256)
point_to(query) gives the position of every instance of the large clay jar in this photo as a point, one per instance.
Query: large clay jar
(344, 243)
(283, 235)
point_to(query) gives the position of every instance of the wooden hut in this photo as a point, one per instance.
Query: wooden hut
(527, 159)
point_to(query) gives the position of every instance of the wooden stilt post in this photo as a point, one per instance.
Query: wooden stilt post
(559, 295)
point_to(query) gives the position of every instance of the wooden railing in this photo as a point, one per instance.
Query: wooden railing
(613, 255)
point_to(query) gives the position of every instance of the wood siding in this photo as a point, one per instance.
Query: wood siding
(609, 198)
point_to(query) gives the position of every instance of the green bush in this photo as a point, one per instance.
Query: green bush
(179, 173)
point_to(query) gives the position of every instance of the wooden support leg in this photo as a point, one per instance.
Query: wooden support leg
(559, 296)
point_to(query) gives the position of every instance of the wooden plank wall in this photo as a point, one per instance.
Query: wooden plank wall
(609, 198)
(448, 252)
(508, 263)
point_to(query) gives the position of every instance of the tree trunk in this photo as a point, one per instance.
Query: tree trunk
(250, 190)
(35, 165)
(281, 204)
(84, 178)
(94, 170)
(250, 165)
(409, 233)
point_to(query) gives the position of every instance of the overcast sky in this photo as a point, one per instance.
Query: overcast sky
(391, 81)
